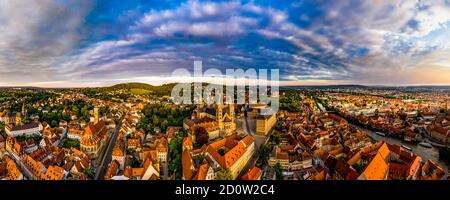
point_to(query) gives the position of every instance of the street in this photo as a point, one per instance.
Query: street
(248, 125)
(106, 156)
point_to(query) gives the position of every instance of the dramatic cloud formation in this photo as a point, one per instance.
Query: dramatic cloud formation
(35, 34)
(87, 43)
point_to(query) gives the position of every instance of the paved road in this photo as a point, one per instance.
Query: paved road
(106, 156)
(164, 169)
(245, 123)
(259, 140)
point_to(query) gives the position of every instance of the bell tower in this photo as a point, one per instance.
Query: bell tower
(18, 119)
(96, 118)
(24, 112)
(231, 110)
(232, 116)
(219, 114)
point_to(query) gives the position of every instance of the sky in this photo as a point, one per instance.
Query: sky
(80, 43)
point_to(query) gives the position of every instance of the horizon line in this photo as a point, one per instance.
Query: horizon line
(289, 85)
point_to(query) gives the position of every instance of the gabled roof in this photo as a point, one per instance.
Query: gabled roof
(432, 171)
(93, 134)
(376, 170)
(202, 172)
(187, 142)
(187, 164)
(150, 171)
(355, 158)
(24, 127)
(118, 150)
(319, 176)
(236, 149)
(68, 166)
(252, 174)
(112, 170)
(345, 170)
(441, 130)
(384, 151)
(53, 173)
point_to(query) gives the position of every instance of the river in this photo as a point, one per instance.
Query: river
(426, 153)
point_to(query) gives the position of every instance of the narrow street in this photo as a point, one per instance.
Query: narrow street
(106, 156)
(258, 139)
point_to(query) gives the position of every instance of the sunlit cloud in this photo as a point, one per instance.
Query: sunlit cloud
(83, 43)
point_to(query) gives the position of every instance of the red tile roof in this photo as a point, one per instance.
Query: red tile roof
(236, 149)
(252, 174)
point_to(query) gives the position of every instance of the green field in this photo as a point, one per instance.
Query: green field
(137, 91)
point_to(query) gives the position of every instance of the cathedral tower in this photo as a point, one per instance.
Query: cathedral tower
(96, 117)
(220, 115)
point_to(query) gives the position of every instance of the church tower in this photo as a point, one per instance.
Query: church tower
(220, 115)
(232, 125)
(24, 112)
(96, 117)
(18, 119)
(232, 110)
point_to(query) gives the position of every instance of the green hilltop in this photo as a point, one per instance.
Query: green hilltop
(143, 88)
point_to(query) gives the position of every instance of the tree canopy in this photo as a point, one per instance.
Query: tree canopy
(224, 175)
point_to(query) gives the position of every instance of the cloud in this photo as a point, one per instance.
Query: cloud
(372, 42)
(35, 33)
(342, 41)
(198, 19)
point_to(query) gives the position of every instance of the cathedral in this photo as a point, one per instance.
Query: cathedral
(218, 117)
(13, 118)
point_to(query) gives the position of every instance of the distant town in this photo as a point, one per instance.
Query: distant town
(133, 131)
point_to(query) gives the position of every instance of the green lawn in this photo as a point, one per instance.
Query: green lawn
(137, 91)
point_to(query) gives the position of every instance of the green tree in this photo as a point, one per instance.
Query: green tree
(170, 119)
(37, 138)
(158, 114)
(142, 123)
(278, 171)
(67, 143)
(164, 125)
(54, 124)
(358, 167)
(149, 127)
(201, 158)
(264, 153)
(89, 172)
(155, 120)
(224, 175)
(135, 162)
(276, 139)
(2, 130)
(175, 148)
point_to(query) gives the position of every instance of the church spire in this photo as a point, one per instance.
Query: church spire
(24, 112)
